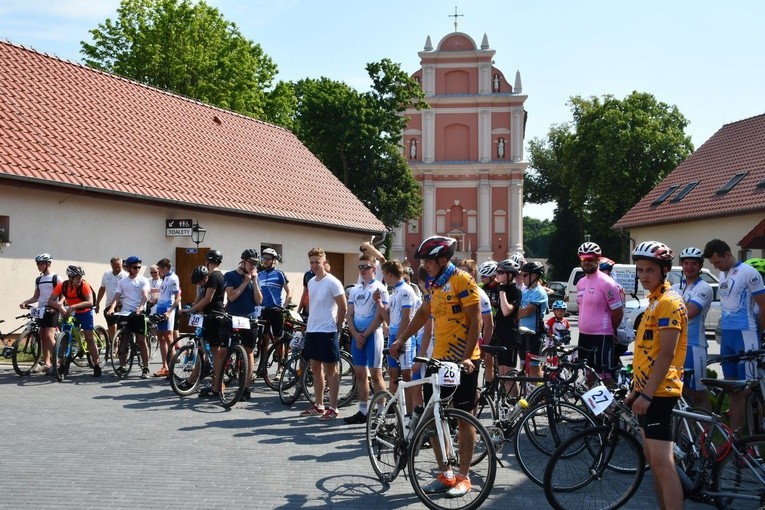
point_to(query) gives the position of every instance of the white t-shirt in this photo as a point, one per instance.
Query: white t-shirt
(737, 286)
(403, 298)
(132, 290)
(169, 289)
(485, 303)
(700, 294)
(323, 316)
(46, 284)
(109, 282)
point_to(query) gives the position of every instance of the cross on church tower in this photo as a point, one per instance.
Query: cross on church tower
(455, 16)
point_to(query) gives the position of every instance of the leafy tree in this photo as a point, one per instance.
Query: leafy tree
(599, 166)
(536, 237)
(357, 136)
(188, 48)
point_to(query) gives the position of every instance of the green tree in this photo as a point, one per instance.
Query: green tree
(357, 136)
(536, 237)
(188, 48)
(599, 166)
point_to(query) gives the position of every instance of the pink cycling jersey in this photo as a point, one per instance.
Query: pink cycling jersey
(597, 294)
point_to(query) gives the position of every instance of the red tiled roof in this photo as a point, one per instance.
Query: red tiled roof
(735, 148)
(65, 124)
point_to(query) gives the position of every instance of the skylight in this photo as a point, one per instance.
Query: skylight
(665, 195)
(687, 189)
(732, 182)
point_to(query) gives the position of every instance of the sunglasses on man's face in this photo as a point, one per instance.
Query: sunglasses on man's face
(364, 268)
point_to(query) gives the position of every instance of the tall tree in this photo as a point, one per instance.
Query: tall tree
(599, 166)
(357, 136)
(187, 47)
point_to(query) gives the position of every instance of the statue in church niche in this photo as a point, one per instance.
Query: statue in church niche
(495, 82)
(413, 149)
(501, 148)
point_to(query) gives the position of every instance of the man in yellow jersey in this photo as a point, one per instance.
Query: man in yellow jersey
(452, 299)
(660, 348)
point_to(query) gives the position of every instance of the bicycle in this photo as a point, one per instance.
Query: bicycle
(429, 444)
(273, 361)
(755, 400)
(124, 348)
(71, 347)
(26, 350)
(190, 364)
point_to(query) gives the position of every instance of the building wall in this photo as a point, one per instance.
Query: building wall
(681, 235)
(88, 231)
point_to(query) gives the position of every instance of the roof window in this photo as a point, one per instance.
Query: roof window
(687, 189)
(761, 184)
(665, 195)
(732, 182)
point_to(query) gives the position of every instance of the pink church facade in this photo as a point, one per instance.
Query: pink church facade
(466, 152)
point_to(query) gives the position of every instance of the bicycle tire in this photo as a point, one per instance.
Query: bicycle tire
(423, 464)
(347, 390)
(574, 476)
(541, 431)
(80, 354)
(186, 370)
(234, 376)
(62, 356)
(385, 439)
(101, 336)
(27, 350)
(274, 362)
(123, 347)
(290, 387)
(742, 472)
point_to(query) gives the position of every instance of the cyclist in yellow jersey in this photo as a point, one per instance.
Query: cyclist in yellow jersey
(453, 301)
(660, 348)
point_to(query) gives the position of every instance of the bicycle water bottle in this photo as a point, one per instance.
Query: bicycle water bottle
(517, 409)
(416, 415)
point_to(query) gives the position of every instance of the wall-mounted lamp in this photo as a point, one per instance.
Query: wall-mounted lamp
(197, 234)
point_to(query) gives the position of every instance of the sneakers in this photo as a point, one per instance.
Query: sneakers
(207, 392)
(246, 394)
(440, 484)
(162, 372)
(97, 371)
(41, 369)
(314, 410)
(356, 419)
(145, 373)
(329, 414)
(461, 487)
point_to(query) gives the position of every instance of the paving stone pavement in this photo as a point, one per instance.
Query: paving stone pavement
(106, 443)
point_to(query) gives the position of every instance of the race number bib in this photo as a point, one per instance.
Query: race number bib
(298, 340)
(240, 322)
(449, 374)
(598, 399)
(36, 312)
(196, 321)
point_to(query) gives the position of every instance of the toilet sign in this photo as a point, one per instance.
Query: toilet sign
(178, 228)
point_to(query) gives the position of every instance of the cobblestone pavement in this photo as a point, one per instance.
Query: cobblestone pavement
(105, 443)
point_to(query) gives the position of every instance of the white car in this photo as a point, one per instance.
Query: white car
(633, 312)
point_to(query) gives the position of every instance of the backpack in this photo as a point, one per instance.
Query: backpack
(80, 293)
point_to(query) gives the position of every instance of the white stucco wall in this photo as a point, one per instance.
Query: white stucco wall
(88, 231)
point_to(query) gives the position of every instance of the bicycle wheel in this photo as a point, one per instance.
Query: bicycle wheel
(486, 413)
(541, 432)
(425, 461)
(62, 353)
(101, 336)
(385, 437)
(79, 349)
(742, 472)
(347, 390)
(152, 344)
(26, 353)
(185, 369)
(290, 387)
(234, 376)
(575, 479)
(273, 363)
(122, 353)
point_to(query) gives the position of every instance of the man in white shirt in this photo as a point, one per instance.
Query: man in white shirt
(134, 293)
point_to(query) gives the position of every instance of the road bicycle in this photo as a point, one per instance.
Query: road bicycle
(297, 376)
(754, 422)
(604, 466)
(26, 350)
(429, 444)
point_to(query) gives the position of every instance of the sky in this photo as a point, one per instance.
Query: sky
(704, 57)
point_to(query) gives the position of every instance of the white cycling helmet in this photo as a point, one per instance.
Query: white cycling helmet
(589, 248)
(43, 257)
(487, 269)
(692, 253)
(518, 258)
(655, 251)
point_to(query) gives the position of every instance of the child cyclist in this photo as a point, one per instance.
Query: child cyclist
(558, 327)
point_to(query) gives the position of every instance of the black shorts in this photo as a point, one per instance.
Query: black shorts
(216, 330)
(248, 337)
(323, 347)
(111, 319)
(49, 319)
(137, 324)
(509, 358)
(530, 344)
(275, 320)
(464, 395)
(602, 360)
(657, 421)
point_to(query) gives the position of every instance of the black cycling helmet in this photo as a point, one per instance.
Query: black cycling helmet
(132, 260)
(436, 246)
(214, 256)
(533, 268)
(250, 254)
(508, 266)
(198, 274)
(74, 271)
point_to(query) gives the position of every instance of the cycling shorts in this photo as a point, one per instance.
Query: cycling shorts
(275, 319)
(85, 319)
(405, 357)
(370, 354)
(732, 342)
(464, 395)
(657, 421)
(49, 319)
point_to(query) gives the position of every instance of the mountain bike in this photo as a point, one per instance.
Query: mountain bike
(26, 350)
(124, 349)
(429, 443)
(71, 347)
